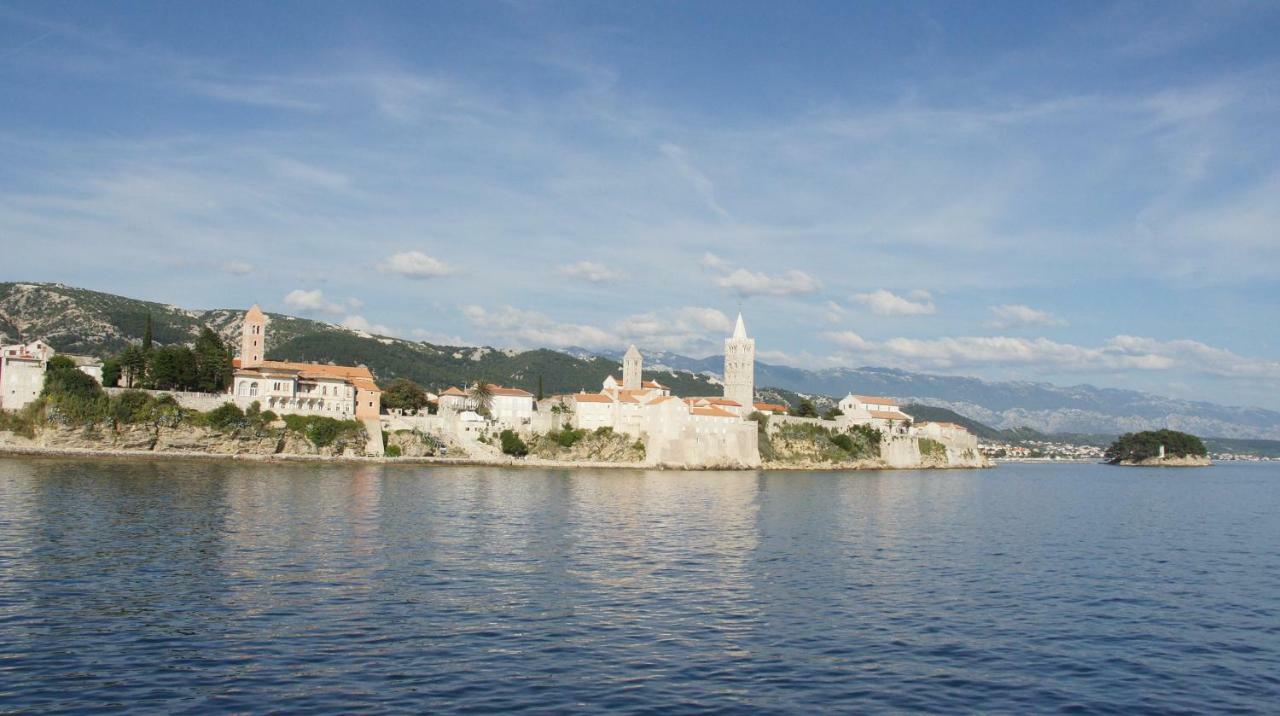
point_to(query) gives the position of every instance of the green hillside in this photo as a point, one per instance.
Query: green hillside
(75, 320)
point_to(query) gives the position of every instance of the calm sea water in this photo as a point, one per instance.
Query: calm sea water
(206, 587)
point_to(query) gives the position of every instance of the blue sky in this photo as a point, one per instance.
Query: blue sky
(1086, 192)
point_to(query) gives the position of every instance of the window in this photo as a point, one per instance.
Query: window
(253, 388)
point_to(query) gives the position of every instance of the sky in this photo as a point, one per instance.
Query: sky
(1064, 192)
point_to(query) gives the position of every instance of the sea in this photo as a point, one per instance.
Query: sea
(226, 587)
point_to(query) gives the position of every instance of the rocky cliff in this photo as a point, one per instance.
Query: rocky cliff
(183, 438)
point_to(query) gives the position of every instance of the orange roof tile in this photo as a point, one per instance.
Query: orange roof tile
(512, 392)
(592, 398)
(652, 384)
(712, 411)
(661, 399)
(889, 415)
(770, 406)
(874, 400)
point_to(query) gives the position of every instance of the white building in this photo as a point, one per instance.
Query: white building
(286, 387)
(22, 368)
(740, 366)
(878, 412)
(951, 434)
(509, 407)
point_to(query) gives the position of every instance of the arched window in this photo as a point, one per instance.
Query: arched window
(253, 388)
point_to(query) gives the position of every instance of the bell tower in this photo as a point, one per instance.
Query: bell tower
(253, 338)
(740, 366)
(632, 365)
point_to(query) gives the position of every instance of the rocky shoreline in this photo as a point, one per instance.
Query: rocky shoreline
(10, 448)
(1185, 461)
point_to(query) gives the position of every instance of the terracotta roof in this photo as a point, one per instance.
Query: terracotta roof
(661, 399)
(627, 397)
(713, 411)
(512, 392)
(874, 400)
(453, 391)
(889, 415)
(652, 384)
(770, 406)
(592, 398)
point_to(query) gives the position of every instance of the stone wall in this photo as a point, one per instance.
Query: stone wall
(204, 402)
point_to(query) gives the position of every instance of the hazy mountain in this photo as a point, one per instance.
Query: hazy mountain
(1009, 404)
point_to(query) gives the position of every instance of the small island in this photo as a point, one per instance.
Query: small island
(1158, 448)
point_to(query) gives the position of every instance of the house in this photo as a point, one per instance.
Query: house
(22, 368)
(288, 387)
(770, 408)
(878, 412)
(509, 407)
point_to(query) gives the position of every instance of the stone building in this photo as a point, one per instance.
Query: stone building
(22, 368)
(878, 412)
(740, 366)
(287, 387)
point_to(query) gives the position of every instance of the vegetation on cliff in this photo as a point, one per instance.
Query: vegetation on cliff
(1136, 447)
(599, 445)
(808, 442)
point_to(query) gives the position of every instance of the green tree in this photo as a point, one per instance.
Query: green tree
(133, 363)
(403, 394)
(110, 372)
(832, 413)
(540, 393)
(513, 445)
(172, 368)
(70, 395)
(213, 363)
(147, 335)
(805, 409)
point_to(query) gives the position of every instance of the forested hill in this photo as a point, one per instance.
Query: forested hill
(75, 320)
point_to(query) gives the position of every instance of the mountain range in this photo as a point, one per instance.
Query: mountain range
(76, 320)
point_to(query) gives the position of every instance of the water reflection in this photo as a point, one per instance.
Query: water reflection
(218, 586)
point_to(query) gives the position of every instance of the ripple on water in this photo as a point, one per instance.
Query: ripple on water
(198, 587)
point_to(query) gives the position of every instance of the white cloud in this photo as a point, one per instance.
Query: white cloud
(362, 324)
(850, 340)
(887, 303)
(1120, 353)
(1019, 316)
(415, 265)
(591, 271)
(713, 262)
(688, 329)
(751, 283)
(311, 302)
(834, 312)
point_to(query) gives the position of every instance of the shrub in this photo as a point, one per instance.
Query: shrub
(20, 422)
(932, 448)
(569, 438)
(513, 445)
(132, 406)
(844, 442)
(392, 451)
(604, 431)
(226, 417)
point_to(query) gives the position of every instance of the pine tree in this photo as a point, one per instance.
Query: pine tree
(146, 335)
(540, 395)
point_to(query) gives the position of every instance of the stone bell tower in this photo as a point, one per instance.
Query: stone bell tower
(253, 338)
(740, 366)
(632, 365)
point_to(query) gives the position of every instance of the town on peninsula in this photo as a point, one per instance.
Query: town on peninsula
(230, 398)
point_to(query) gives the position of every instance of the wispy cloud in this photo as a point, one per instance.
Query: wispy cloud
(312, 301)
(1012, 315)
(886, 303)
(415, 265)
(591, 272)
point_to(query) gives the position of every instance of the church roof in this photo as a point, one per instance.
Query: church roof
(592, 398)
(889, 415)
(740, 330)
(712, 411)
(875, 400)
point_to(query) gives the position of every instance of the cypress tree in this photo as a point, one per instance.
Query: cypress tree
(146, 335)
(540, 396)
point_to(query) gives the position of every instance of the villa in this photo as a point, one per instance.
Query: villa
(286, 387)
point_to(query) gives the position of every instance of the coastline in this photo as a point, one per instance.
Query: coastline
(9, 450)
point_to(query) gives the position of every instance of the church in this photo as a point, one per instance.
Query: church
(286, 387)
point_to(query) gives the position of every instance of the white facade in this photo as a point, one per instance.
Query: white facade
(881, 413)
(740, 366)
(286, 392)
(22, 370)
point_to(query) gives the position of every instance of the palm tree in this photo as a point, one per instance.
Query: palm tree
(482, 395)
